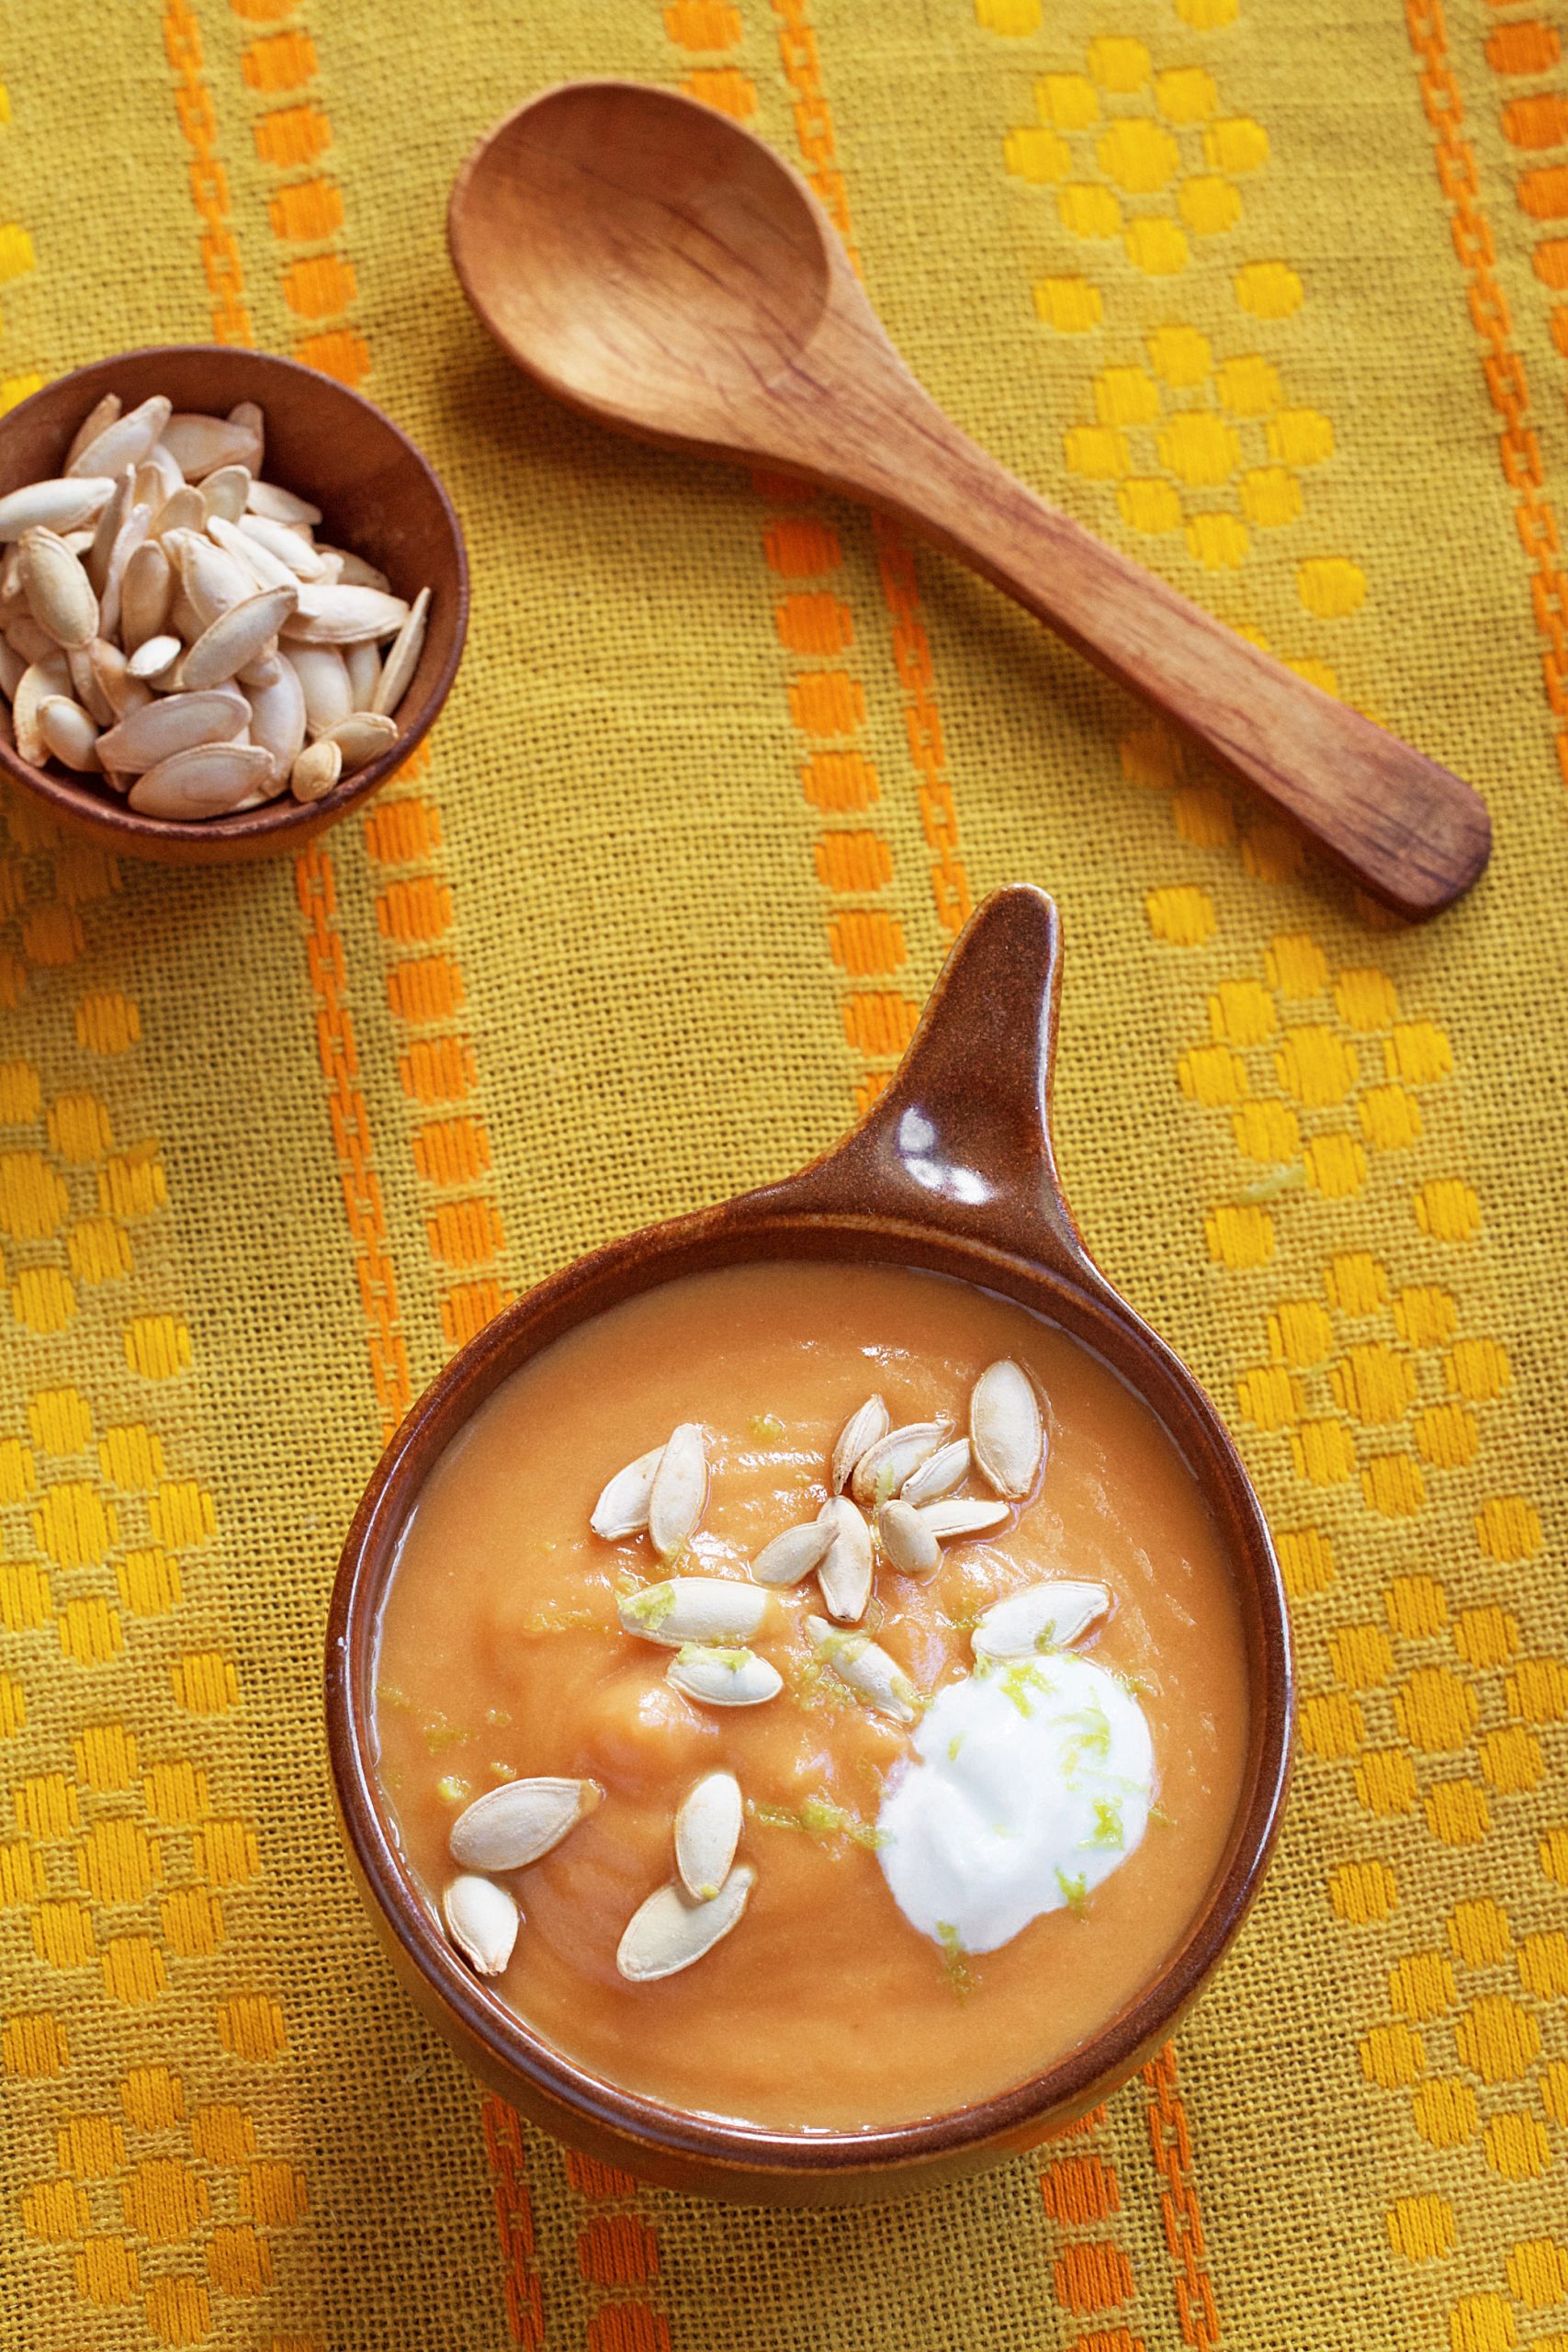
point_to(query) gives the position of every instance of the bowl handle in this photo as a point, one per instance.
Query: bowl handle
(961, 1139)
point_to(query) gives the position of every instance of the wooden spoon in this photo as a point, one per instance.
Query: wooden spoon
(655, 266)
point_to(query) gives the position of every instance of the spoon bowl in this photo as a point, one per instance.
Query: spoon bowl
(666, 252)
(950, 1171)
(654, 264)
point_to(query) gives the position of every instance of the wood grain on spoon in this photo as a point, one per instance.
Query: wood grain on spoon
(658, 267)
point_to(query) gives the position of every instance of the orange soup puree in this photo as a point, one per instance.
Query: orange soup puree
(502, 1656)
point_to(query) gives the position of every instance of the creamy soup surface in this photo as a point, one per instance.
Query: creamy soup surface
(501, 1656)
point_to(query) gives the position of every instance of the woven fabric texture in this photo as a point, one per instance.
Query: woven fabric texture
(1274, 295)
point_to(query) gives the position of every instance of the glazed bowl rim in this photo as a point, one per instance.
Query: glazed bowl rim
(737, 1233)
(280, 825)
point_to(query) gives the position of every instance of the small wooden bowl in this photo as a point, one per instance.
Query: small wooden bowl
(378, 495)
(952, 1170)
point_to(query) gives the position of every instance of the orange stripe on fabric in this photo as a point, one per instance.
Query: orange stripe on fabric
(292, 133)
(1507, 387)
(895, 562)
(1170, 2145)
(827, 700)
(315, 885)
(209, 184)
(1091, 2274)
(618, 2255)
(515, 2221)
(315, 881)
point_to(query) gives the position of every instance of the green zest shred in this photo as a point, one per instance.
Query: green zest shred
(767, 1427)
(953, 1960)
(652, 1605)
(1109, 1829)
(1017, 1684)
(820, 1817)
(1074, 1893)
(440, 1734)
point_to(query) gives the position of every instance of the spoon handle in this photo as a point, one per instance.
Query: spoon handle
(1410, 833)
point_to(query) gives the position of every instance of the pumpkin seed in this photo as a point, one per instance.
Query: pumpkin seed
(1006, 1428)
(38, 682)
(58, 505)
(153, 655)
(84, 683)
(331, 613)
(707, 1831)
(938, 1473)
(361, 739)
(25, 637)
(680, 1490)
(226, 493)
(668, 1932)
(907, 1541)
(110, 520)
(124, 442)
(121, 692)
(844, 1574)
(790, 1557)
(277, 710)
(865, 1667)
(249, 419)
(363, 666)
(279, 505)
(68, 731)
(284, 546)
(146, 592)
(723, 1676)
(482, 1920)
(162, 729)
(212, 580)
(99, 416)
(156, 480)
(130, 535)
(701, 1610)
(357, 573)
(182, 511)
(1042, 1617)
(621, 1508)
(402, 659)
(200, 445)
(208, 781)
(951, 1519)
(59, 592)
(235, 638)
(324, 678)
(11, 668)
(316, 770)
(883, 1467)
(251, 558)
(511, 1826)
(866, 1425)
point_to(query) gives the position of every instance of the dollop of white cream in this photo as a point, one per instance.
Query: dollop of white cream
(1032, 1784)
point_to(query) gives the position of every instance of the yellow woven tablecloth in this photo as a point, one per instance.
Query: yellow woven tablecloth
(1267, 291)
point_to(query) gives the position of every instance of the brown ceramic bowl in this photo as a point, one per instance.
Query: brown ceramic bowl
(953, 1170)
(378, 495)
